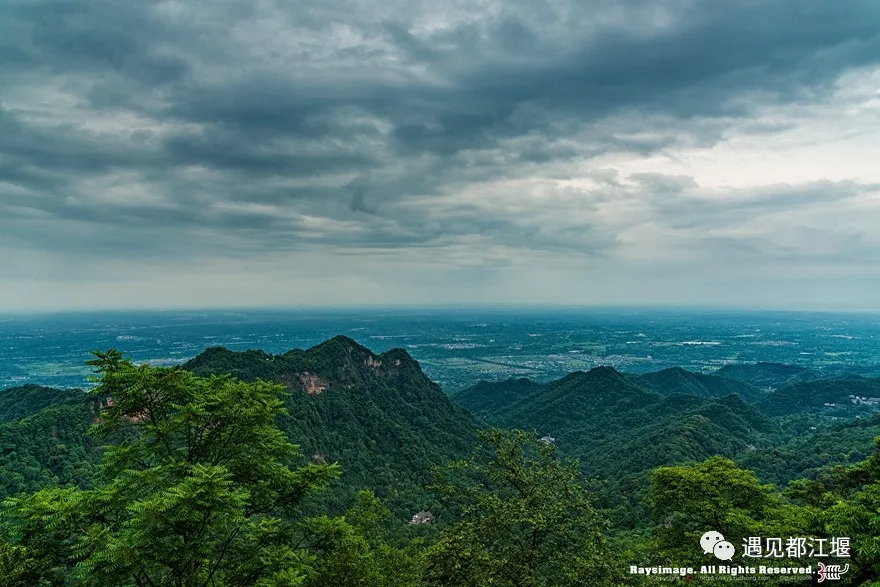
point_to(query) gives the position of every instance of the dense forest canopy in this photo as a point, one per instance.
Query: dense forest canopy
(337, 466)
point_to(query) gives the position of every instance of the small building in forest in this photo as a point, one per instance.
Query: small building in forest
(422, 517)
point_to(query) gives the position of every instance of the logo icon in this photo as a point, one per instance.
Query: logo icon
(831, 572)
(713, 542)
(724, 550)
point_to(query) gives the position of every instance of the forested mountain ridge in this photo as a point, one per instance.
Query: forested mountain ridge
(573, 396)
(769, 376)
(810, 451)
(485, 398)
(199, 486)
(678, 380)
(388, 425)
(620, 431)
(584, 411)
(19, 402)
(50, 447)
(765, 375)
(378, 415)
(819, 395)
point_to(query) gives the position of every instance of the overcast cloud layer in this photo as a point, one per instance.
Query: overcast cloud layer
(405, 151)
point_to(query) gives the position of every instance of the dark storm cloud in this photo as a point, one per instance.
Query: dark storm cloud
(332, 134)
(111, 40)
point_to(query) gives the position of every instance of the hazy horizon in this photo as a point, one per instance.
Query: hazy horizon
(452, 308)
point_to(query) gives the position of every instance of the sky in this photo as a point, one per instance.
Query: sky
(404, 152)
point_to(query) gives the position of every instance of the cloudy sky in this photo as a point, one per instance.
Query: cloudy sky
(171, 154)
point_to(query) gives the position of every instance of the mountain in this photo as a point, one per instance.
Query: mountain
(678, 380)
(379, 416)
(619, 430)
(812, 450)
(765, 375)
(580, 401)
(486, 398)
(870, 371)
(812, 396)
(49, 448)
(19, 402)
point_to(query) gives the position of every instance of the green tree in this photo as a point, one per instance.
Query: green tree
(715, 495)
(358, 552)
(527, 520)
(847, 504)
(19, 568)
(197, 490)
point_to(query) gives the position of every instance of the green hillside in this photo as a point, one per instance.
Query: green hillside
(49, 448)
(812, 396)
(19, 402)
(486, 398)
(765, 375)
(620, 431)
(808, 453)
(678, 380)
(379, 416)
(595, 414)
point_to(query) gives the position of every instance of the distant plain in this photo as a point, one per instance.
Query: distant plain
(455, 348)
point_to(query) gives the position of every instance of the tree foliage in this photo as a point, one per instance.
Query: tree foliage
(199, 490)
(526, 520)
(715, 495)
(846, 502)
